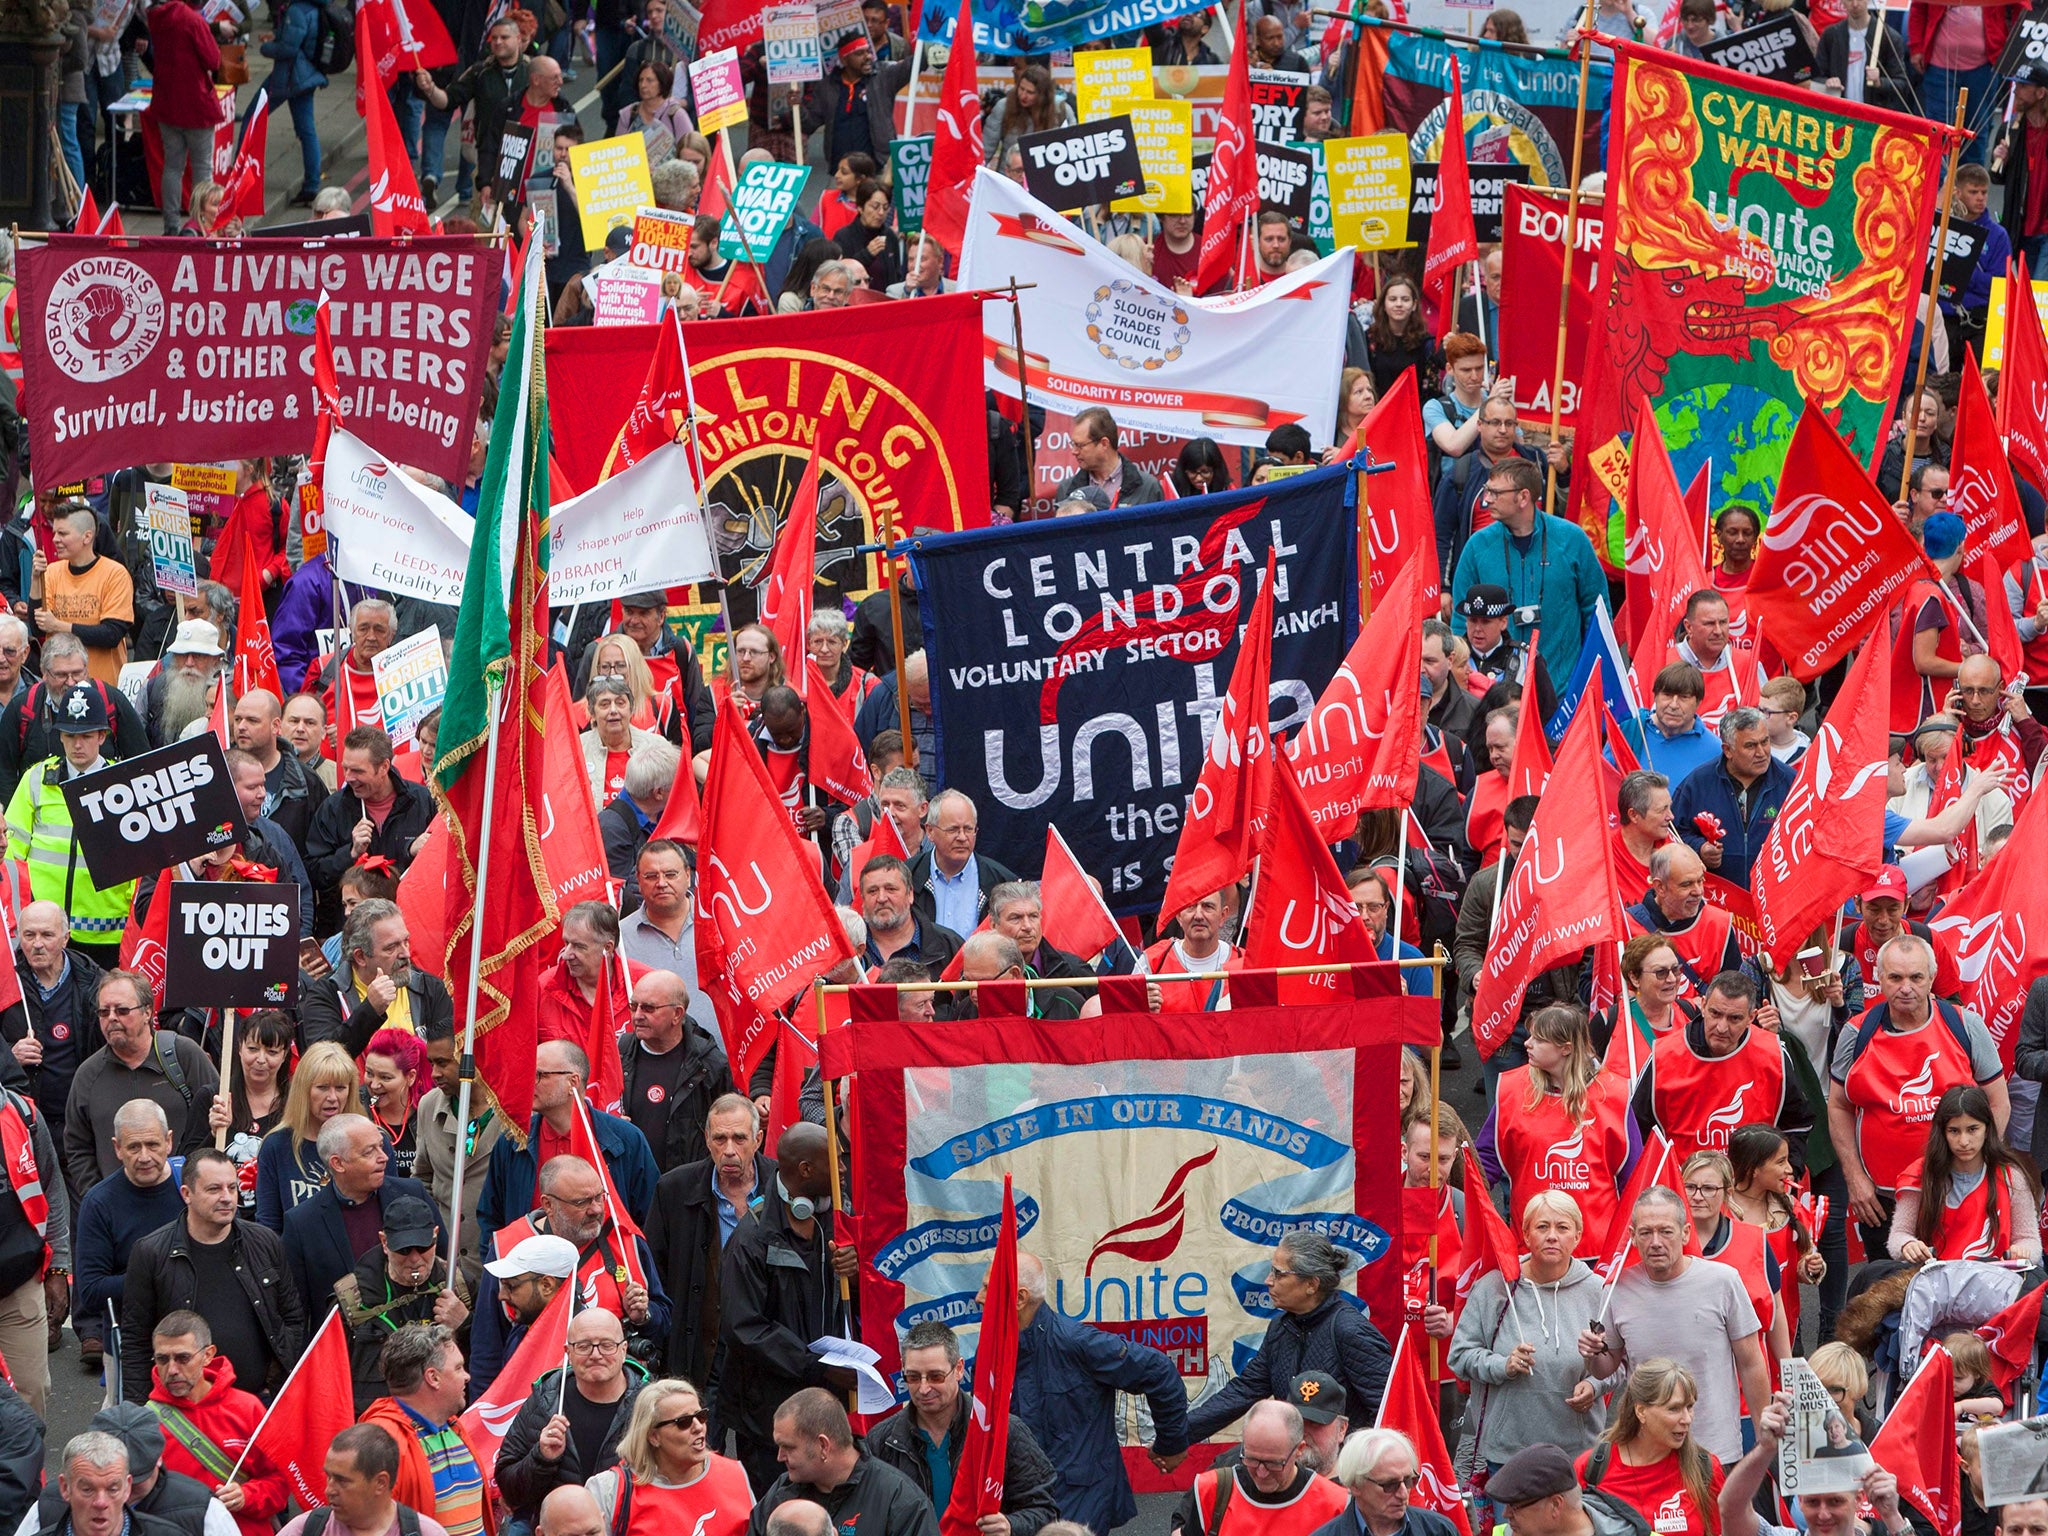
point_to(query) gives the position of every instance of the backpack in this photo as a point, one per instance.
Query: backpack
(1596, 1469)
(334, 50)
(408, 1521)
(33, 703)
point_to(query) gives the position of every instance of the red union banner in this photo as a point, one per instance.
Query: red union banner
(146, 351)
(1531, 272)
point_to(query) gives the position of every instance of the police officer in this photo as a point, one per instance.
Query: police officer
(1495, 657)
(39, 829)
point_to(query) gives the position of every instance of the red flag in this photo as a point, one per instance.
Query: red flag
(785, 593)
(10, 978)
(683, 817)
(1529, 767)
(1399, 525)
(1917, 1443)
(1489, 1245)
(541, 1351)
(956, 142)
(583, 1144)
(2023, 381)
(1362, 743)
(728, 24)
(422, 898)
(395, 206)
(1560, 895)
(1654, 1166)
(2012, 1335)
(144, 943)
(308, 1412)
(765, 928)
(794, 1057)
(403, 35)
(978, 1480)
(664, 396)
(1410, 1406)
(1075, 918)
(1834, 556)
(838, 765)
(1228, 823)
(1302, 913)
(1981, 490)
(1997, 928)
(326, 389)
(2001, 631)
(711, 197)
(1230, 197)
(1828, 840)
(1452, 239)
(885, 837)
(571, 845)
(217, 716)
(242, 193)
(1662, 529)
(255, 657)
(88, 220)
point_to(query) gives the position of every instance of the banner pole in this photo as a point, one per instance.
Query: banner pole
(831, 1147)
(227, 1073)
(895, 572)
(1571, 240)
(340, 629)
(1927, 311)
(1436, 1084)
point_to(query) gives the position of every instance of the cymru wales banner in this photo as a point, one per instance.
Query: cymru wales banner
(1078, 665)
(1765, 247)
(1099, 332)
(1157, 1157)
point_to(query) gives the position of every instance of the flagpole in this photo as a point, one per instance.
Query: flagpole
(1948, 183)
(290, 1376)
(1571, 240)
(467, 1066)
(832, 1151)
(562, 1395)
(1436, 1088)
(227, 1073)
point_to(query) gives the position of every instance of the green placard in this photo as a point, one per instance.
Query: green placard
(910, 172)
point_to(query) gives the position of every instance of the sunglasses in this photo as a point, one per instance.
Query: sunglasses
(683, 1420)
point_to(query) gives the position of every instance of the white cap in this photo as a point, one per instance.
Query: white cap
(196, 637)
(537, 1255)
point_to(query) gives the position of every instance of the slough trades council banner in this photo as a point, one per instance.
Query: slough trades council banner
(145, 351)
(1156, 1157)
(1079, 665)
(1765, 247)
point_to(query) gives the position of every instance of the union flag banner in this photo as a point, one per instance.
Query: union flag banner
(1763, 246)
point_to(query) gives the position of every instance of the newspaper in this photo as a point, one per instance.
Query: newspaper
(2015, 1461)
(1820, 1452)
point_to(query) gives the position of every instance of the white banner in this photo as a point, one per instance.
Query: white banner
(639, 530)
(1099, 332)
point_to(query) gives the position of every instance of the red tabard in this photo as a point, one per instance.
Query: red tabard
(1439, 757)
(1319, 1502)
(1702, 946)
(614, 777)
(1485, 825)
(364, 707)
(1699, 1102)
(1657, 1492)
(1542, 1149)
(1894, 1086)
(1631, 874)
(2003, 746)
(1743, 1252)
(1946, 982)
(1912, 696)
(1724, 685)
(1182, 996)
(786, 773)
(597, 1283)
(716, 1504)
(1963, 1231)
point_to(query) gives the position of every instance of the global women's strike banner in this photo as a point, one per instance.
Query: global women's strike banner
(1099, 332)
(890, 397)
(1764, 246)
(1157, 1158)
(154, 350)
(1081, 664)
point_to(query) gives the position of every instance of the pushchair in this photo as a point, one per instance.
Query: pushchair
(1938, 1298)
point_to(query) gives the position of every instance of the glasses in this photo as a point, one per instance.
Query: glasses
(589, 1203)
(583, 1349)
(682, 1421)
(556, 1072)
(414, 1253)
(654, 1007)
(116, 1011)
(1267, 1464)
(1275, 1272)
(926, 1378)
(1663, 972)
(1396, 1484)
(1703, 1191)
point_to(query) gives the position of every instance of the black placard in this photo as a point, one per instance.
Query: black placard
(1286, 181)
(141, 816)
(315, 229)
(515, 149)
(232, 945)
(2025, 56)
(1965, 249)
(1775, 50)
(1279, 102)
(1490, 185)
(1422, 202)
(1078, 167)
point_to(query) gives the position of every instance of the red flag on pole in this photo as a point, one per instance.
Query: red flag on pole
(1560, 894)
(1981, 490)
(87, 221)
(309, 1411)
(1361, 745)
(956, 141)
(978, 1480)
(785, 593)
(404, 35)
(541, 1351)
(838, 765)
(255, 656)
(1075, 918)
(571, 845)
(2001, 631)
(1917, 1444)
(711, 198)
(664, 395)
(1302, 912)
(2013, 1336)
(583, 1144)
(1828, 840)
(1658, 1164)
(682, 818)
(795, 1055)
(2023, 382)
(242, 193)
(1230, 197)
(10, 978)
(1489, 1244)
(1529, 767)
(1410, 1406)
(395, 206)
(1399, 527)
(145, 943)
(1997, 928)
(1229, 820)
(1452, 239)
(884, 837)
(1661, 530)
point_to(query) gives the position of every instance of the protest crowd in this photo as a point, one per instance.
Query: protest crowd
(651, 893)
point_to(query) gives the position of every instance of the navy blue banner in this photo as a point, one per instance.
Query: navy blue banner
(1078, 665)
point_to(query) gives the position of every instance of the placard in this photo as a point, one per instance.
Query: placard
(790, 33)
(837, 20)
(1775, 50)
(1279, 102)
(1082, 166)
(515, 151)
(1819, 1452)
(547, 215)
(1368, 179)
(621, 294)
(140, 816)
(313, 229)
(910, 165)
(1994, 320)
(2015, 1461)
(2025, 56)
(661, 240)
(1490, 185)
(715, 87)
(612, 184)
(1164, 132)
(1108, 80)
(1959, 266)
(1286, 177)
(232, 944)
(759, 209)
(412, 678)
(312, 526)
(167, 519)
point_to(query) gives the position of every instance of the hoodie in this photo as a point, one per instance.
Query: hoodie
(227, 1416)
(1532, 1408)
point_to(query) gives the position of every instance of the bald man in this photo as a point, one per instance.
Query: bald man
(289, 788)
(1998, 726)
(1676, 906)
(674, 1070)
(996, 957)
(799, 1517)
(571, 1511)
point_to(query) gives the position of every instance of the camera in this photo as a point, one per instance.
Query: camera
(1526, 615)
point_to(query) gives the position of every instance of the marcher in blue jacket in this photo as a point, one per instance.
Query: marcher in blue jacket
(1546, 564)
(1743, 790)
(293, 80)
(1068, 1376)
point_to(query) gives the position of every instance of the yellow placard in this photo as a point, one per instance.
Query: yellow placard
(216, 479)
(612, 184)
(1994, 322)
(1164, 134)
(1107, 80)
(1369, 180)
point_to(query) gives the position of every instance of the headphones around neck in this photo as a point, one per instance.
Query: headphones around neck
(802, 1207)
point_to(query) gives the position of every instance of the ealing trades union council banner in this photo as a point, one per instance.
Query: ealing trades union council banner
(1078, 665)
(1156, 1157)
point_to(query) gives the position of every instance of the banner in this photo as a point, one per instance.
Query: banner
(1774, 50)
(1518, 107)
(1369, 185)
(910, 165)
(1081, 166)
(759, 209)
(1012, 27)
(1156, 1160)
(232, 945)
(144, 814)
(411, 677)
(896, 413)
(1531, 273)
(1763, 245)
(1101, 333)
(167, 520)
(389, 531)
(1166, 152)
(1082, 662)
(160, 350)
(612, 184)
(1108, 80)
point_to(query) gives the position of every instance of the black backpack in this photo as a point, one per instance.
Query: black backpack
(334, 41)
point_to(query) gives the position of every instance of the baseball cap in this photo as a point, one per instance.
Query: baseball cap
(139, 1432)
(1319, 1396)
(1093, 497)
(1890, 884)
(81, 709)
(409, 1223)
(540, 1254)
(1485, 600)
(1534, 1472)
